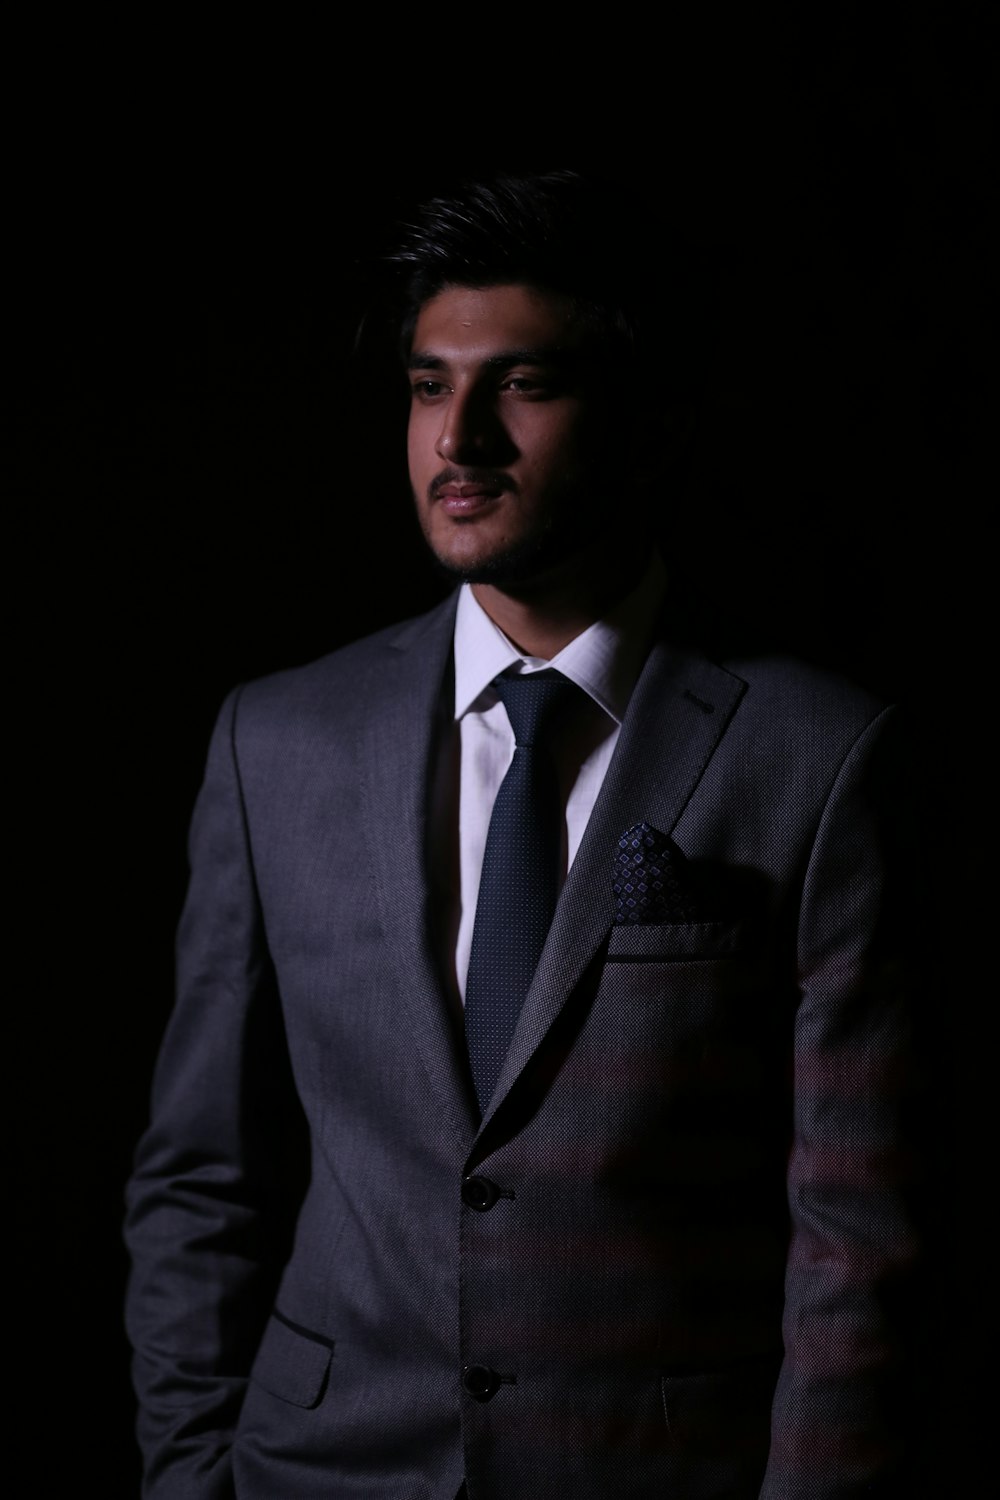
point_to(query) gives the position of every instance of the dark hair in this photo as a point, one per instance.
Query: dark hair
(556, 231)
(587, 237)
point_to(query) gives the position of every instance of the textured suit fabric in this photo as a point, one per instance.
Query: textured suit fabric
(693, 1275)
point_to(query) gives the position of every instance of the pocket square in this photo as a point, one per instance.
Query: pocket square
(650, 882)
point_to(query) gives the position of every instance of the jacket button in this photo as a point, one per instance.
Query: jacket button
(480, 1381)
(479, 1193)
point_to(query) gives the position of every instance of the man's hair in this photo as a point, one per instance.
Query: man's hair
(584, 237)
(551, 231)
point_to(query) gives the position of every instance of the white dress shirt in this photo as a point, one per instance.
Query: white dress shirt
(604, 661)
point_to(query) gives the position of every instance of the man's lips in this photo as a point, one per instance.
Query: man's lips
(465, 491)
(469, 494)
(458, 498)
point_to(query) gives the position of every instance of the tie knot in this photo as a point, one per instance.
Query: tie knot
(534, 703)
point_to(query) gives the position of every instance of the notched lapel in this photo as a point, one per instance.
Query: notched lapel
(398, 740)
(678, 713)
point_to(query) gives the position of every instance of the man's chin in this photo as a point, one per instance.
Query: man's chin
(513, 568)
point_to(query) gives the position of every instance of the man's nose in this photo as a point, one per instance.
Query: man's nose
(470, 430)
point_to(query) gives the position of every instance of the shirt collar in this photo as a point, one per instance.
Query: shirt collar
(604, 660)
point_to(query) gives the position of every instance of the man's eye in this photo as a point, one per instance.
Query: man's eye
(426, 390)
(523, 385)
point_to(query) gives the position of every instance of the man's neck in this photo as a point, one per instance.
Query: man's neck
(543, 616)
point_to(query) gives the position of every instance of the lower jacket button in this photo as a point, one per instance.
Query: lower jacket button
(480, 1381)
(479, 1193)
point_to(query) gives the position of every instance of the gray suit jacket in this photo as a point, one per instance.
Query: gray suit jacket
(689, 1274)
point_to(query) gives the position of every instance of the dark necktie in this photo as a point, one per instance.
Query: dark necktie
(520, 877)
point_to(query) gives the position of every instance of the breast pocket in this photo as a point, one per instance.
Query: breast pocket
(677, 942)
(672, 981)
(674, 1041)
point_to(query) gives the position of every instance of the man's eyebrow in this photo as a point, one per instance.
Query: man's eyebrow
(506, 360)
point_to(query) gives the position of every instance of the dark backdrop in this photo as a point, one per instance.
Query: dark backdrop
(210, 484)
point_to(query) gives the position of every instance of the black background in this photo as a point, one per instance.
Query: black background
(209, 484)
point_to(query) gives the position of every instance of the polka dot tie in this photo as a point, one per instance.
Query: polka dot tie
(520, 878)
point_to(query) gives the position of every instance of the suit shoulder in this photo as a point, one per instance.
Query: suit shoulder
(342, 676)
(793, 712)
(788, 689)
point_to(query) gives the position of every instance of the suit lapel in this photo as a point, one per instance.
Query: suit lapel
(409, 711)
(676, 717)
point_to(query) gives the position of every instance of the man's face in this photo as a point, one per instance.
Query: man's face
(504, 433)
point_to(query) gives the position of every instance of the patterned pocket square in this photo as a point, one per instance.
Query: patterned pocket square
(650, 881)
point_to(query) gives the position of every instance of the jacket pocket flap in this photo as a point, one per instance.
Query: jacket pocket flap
(673, 941)
(292, 1365)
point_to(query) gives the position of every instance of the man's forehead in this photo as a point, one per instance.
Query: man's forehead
(492, 322)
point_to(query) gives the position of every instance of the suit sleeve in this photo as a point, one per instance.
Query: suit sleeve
(211, 1198)
(843, 1418)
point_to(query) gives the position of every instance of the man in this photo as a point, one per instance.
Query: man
(506, 1156)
